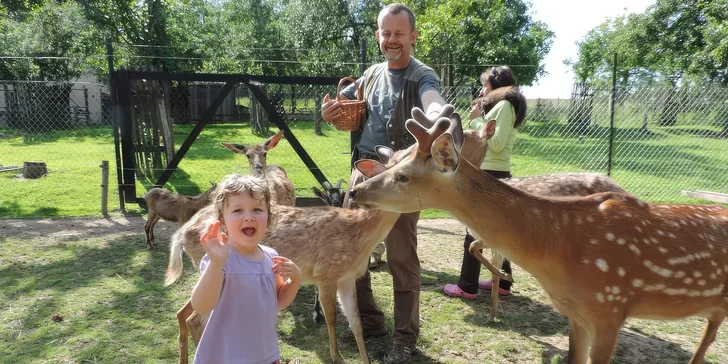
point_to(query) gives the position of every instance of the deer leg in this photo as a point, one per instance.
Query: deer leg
(475, 250)
(182, 316)
(327, 296)
(711, 328)
(578, 343)
(347, 297)
(497, 262)
(318, 316)
(604, 339)
(196, 323)
(152, 219)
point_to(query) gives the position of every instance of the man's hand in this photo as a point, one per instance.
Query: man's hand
(215, 244)
(330, 109)
(285, 268)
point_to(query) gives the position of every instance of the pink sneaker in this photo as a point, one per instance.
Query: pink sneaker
(453, 290)
(488, 284)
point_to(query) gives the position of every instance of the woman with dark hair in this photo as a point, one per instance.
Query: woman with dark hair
(508, 117)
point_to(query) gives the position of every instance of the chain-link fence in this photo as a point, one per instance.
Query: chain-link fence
(659, 141)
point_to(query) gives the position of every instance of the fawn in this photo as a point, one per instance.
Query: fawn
(601, 258)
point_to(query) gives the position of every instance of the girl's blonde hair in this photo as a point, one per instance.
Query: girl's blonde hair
(237, 183)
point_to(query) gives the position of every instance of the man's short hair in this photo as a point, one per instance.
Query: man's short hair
(395, 9)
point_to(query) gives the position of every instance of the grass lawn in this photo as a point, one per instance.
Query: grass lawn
(88, 291)
(654, 166)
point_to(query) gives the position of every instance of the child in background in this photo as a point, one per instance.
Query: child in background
(243, 283)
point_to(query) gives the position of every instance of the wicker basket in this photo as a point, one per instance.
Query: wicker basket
(352, 111)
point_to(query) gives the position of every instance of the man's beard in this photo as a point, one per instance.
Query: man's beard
(393, 54)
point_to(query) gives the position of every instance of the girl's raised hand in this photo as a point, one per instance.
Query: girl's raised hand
(285, 268)
(215, 243)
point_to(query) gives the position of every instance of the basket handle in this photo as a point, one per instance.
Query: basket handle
(341, 82)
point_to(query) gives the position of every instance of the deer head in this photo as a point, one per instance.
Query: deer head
(256, 154)
(432, 161)
(331, 195)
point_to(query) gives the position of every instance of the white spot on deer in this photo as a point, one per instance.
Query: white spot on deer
(697, 274)
(586, 261)
(701, 282)
(608, 289)
(600, 297)
(640, 203)
(616, 290)
(593, 241)
(609, 236)
(688, 280)
(627, 214)
(639, 229)
(713, 292)
(684, 222)
(615, 310)
(713, 263)
(646, 241)
(644, 223)
(589, 219)
(675, 291)
(713, 276)
(621, 241)
(660, 232)
(718, 272)
(657, 287)
(695, 294)
(635, 249)
(681, 260)
(665, 272)
(602, 265)
(624, 299)
(683, 248)
(579, 220)
(637, 283)
(621, 272)
(671, 235)
(662, 250)
(679, 274)
(654, 240)
(610, 298)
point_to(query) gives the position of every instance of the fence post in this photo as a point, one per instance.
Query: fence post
(611, 115)
(115, 120)
(85, 102)
(104, 187)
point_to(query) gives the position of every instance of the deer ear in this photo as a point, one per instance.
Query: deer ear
(457, 130)
(370, 168)
(273, 141)
(488, 130)
(384, 153)
(237, 148)
(444, 154)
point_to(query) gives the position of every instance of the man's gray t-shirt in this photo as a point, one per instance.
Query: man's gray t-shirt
(380, 104)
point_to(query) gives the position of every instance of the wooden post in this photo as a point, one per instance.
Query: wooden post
(104, 187)
(317, 116)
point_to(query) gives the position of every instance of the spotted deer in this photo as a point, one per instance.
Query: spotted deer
(281, 188)
(601, 259)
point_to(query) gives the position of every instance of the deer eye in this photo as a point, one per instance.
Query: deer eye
(402, 179)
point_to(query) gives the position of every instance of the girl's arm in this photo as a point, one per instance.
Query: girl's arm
(284, 268)
(208, 287)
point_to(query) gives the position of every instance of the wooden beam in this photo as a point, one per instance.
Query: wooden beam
(706, 195)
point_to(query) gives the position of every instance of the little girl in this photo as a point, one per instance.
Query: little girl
(243, 283)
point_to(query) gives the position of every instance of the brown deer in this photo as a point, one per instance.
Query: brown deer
(172, 207)
(601, 258)
(281, 188)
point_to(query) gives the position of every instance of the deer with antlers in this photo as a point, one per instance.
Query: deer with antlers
(601, 259)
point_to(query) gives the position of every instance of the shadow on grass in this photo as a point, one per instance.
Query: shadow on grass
(13, 210)
(96, 303)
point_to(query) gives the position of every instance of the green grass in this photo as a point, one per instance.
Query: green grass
(654, 166)
(88, 291)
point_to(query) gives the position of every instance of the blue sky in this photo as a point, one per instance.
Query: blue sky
(570, 20)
